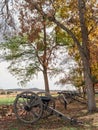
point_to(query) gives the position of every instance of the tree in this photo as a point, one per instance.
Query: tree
(83, 49)
(73, 18)
(27, 59)
(34, 49)
(90, 20)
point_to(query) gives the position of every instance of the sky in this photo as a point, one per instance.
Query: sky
(7, 81)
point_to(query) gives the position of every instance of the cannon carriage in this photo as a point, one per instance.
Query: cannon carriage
(29, 107)
(67, 97)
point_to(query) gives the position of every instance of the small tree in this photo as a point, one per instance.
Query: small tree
(30, 54)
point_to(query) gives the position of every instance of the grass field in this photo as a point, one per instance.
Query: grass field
(6, 100)
(9, 99)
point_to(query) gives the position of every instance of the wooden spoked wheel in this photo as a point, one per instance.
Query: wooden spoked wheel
(48, 102)
(28, 107)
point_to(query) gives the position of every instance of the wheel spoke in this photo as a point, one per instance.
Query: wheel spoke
(34, 114)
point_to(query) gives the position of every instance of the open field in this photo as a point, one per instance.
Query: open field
(7, 99)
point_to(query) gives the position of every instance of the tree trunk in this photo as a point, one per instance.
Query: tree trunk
(89, 86)
(85, 56)
(45, 60)
(46, 80)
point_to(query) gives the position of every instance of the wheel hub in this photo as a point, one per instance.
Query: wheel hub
(27, 108)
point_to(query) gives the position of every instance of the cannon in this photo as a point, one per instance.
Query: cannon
(67, 97)
(29, 107)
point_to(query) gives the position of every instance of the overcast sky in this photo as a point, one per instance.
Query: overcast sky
(8, 81)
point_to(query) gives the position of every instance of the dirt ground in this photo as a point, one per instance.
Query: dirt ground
(76, 110)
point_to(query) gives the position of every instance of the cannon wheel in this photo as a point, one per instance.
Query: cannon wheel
(28, 107)
(51, 103)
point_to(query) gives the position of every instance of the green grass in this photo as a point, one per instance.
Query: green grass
(7, 100)
(96, 95)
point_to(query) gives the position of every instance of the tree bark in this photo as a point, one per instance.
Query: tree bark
(85, 56)
(45, 60)
(89, 85)
(46, 80)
